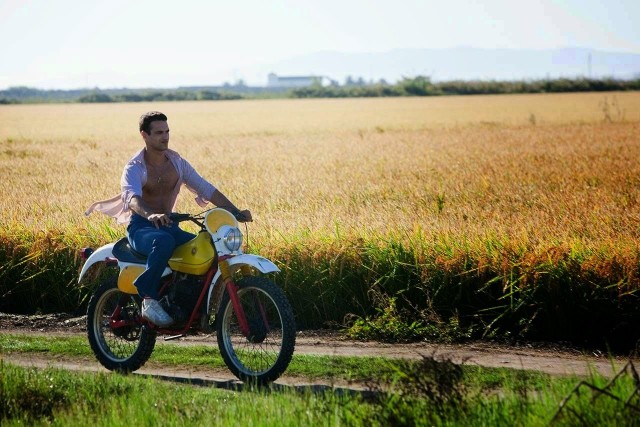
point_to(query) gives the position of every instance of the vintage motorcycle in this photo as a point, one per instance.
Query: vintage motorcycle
(208, 285)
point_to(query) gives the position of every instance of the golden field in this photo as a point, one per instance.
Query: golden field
(534, 168)
(518, 213)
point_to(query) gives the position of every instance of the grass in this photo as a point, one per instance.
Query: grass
(198, 356)
(422, 392)
(463, 209)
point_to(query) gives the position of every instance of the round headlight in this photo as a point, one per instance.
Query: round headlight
(233, 239)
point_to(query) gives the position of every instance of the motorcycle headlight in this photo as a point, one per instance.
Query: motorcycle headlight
(232, 238)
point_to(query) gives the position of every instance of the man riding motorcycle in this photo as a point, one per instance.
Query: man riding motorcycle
(150, 183)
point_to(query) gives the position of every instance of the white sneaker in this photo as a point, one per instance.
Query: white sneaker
(154, 313)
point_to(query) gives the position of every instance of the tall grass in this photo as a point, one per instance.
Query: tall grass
(427, 392)
(462, 208)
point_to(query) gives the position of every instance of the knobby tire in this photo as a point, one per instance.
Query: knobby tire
(123, 349)
(263, 356)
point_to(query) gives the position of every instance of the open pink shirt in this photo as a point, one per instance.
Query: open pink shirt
(134, 177)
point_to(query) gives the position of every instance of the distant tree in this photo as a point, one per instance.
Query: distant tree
(24, 92)
(207, 95)
(131, 97)
(95, 97)
(417, 86)
(154, 96)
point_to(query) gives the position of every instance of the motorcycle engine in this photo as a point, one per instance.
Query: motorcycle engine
(182, 296)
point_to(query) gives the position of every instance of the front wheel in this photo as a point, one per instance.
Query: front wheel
(264, 354)
(118, 339)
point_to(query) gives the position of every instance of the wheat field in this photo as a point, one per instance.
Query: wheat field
(471, 184)
(531, 167)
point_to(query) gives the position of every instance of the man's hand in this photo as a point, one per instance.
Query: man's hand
(221, 201)
(159, 220)
(145, 211)
(244, 216)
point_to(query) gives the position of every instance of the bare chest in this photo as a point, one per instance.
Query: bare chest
(161, 180)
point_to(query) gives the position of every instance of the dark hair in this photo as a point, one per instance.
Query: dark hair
(151, 116)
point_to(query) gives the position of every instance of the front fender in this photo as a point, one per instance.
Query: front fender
(100, 255)
(261, 264)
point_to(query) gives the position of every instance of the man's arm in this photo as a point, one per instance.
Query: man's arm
(202, 187)
(221, 201)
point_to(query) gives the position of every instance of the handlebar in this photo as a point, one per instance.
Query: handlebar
(180, 217)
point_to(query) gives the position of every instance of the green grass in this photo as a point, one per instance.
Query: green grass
(198, 356)
(423, 392)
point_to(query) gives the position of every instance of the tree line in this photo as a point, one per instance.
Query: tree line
(423, 86)
(408, 86)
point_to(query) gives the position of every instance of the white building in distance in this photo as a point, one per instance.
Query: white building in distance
(295, 81)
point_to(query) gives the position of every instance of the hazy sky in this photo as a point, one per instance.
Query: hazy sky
(140, 43)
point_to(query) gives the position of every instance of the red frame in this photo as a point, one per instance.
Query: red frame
(231, 287)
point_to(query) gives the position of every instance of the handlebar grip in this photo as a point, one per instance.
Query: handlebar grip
(178, 217)
(241, 218)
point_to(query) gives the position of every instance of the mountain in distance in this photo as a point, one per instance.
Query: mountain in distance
(462, 63)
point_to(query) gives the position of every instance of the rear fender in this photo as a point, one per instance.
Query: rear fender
(101, 254)
(104, 254)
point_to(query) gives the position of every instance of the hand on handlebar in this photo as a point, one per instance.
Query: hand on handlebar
(244, 216)
(160, 220)
(163, 219)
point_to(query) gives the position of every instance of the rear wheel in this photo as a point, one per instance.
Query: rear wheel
(118, 339)
(264, 354)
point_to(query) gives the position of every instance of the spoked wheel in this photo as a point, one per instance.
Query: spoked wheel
(264, 354)
(117, 338)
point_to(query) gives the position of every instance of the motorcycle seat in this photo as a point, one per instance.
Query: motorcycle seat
(123, 252)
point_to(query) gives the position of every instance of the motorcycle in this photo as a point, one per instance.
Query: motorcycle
(209, 285)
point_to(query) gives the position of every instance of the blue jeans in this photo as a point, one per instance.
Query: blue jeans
(158, 245)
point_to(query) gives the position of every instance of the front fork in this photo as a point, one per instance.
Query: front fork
(232, 289)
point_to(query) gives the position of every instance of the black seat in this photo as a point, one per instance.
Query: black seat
(123, 251)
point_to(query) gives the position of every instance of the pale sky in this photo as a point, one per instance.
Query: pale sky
(62, 44)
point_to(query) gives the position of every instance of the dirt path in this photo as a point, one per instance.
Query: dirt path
(552, 360)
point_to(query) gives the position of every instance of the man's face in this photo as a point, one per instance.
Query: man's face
(158, 136)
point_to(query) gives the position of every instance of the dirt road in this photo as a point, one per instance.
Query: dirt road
(554, 360)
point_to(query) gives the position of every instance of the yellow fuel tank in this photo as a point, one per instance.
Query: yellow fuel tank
(195, 256)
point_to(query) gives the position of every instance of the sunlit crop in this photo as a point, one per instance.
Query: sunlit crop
(451, 166)
(502, 181)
